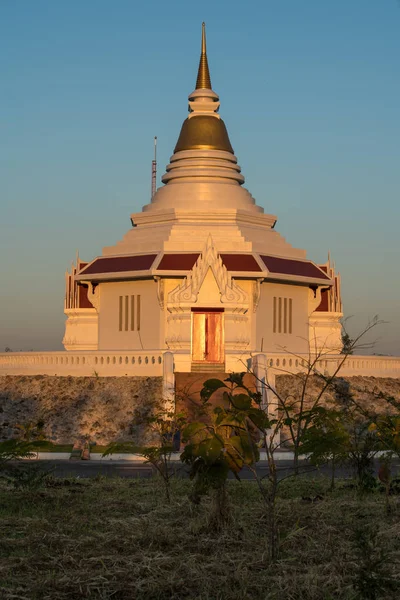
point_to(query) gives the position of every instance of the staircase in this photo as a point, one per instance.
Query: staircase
(208, 367)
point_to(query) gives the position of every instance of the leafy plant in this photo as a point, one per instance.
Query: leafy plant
(31, 430)
(347, 342)
(17, 449)
(326, 440)
(165, 426)
(27, 476)
(224, 441)
(387, 430)
(373, 577)
(296, 411)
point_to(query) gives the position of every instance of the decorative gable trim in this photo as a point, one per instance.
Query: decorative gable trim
(187, 292)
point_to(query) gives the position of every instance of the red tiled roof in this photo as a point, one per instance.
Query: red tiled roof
(288, 266)
(177, 262)
(118, 264)
(240, 262)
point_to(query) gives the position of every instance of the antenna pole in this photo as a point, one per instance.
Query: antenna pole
(154, 170)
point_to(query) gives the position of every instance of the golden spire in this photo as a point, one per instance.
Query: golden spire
(203, 76)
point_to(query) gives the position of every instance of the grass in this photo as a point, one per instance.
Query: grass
(100, 449)
(117, 539)
(57, 448)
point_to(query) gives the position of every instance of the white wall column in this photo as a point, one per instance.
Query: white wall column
(259, 368)
(168, 382)
(265, 384)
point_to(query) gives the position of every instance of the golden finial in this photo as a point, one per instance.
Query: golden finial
(203, 76)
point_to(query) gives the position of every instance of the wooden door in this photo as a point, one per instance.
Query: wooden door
(207, 337)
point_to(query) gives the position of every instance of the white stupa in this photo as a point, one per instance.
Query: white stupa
(202, 271)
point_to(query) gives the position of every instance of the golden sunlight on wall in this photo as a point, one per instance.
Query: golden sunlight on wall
(130, 316)
(282, 318)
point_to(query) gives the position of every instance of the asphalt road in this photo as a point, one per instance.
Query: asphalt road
(84, 469)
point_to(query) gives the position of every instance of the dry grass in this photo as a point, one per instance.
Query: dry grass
(117, 539)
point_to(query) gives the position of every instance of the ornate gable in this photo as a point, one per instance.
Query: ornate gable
(231, 294)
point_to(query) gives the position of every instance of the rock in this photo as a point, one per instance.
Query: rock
(74, 407)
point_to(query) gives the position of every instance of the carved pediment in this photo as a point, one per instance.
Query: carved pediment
(230, 292)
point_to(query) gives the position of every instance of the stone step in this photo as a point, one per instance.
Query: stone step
(208, 367)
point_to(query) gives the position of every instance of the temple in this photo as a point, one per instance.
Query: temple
(202, 271)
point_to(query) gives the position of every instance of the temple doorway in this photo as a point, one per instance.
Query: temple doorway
(208, 336)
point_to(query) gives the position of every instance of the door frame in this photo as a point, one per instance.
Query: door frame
(206, 310)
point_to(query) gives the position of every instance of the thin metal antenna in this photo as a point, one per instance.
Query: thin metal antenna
(154, 170)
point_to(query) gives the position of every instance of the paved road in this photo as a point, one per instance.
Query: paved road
(132, 469)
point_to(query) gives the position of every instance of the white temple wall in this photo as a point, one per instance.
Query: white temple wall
(81, 329)
(239, 323)
(177, 320)
(282, 318)
(130, 316)
(326, 332)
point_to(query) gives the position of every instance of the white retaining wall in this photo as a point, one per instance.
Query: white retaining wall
(150, 363)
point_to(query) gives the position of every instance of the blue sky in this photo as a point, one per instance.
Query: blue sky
(310, 93)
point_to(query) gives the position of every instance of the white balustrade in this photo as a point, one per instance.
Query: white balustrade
(88, 363)
(350, 366)
(150, 363)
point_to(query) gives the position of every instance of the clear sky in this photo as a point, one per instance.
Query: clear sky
(310, 93)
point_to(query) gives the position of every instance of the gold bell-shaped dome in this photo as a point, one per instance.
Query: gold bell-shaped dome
(203, 129)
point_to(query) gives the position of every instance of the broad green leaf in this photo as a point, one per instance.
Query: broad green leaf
(192, 429)
(188, 456)
(240, 451)
(220, 417)
(241, 401)
(227, 398)
(259, 418)
(236, 378)
(250, 450)
(213, 384)
(210, 449)
(234, 461)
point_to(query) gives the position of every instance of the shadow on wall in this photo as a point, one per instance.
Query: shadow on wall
(368, 391)
(75, 407)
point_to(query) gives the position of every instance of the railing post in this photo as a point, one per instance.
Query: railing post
(168, 382)
(259, 368)
(265, 384)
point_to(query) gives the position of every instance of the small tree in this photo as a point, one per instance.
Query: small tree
(347, 343)
(15, 449)
(299, 408)
(164, 425)
(387, 430)
(31, 430)
(31, 477)
(326, 441)
(363, 446)
(223, 442)
(343, 437)
(387, 426)
(230, 442)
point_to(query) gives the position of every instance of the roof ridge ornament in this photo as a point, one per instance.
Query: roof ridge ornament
(203, 81)
(230, 292)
